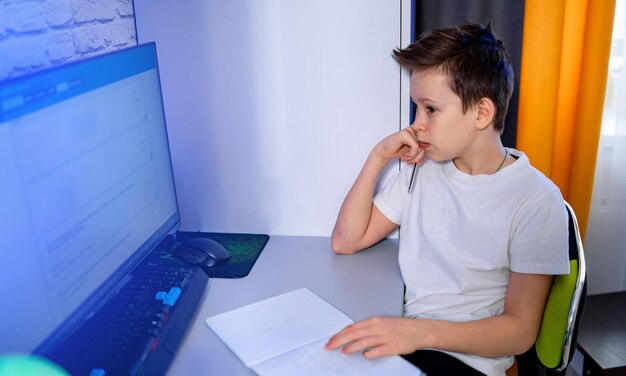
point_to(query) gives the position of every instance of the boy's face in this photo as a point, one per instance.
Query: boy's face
(443, 130)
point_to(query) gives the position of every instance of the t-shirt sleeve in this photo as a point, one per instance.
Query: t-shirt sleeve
(539, 242)
(391, 198)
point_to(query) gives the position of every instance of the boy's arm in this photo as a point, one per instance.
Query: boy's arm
(512, 332)
(359, 223)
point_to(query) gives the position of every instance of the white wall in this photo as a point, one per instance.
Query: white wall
(273, 106)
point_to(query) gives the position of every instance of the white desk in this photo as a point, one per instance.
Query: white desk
(362, 285)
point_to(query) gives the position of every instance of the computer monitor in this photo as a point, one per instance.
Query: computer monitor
(86, 188)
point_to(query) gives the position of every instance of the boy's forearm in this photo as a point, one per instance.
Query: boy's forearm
(354, 215)
(511, 333)
(502, 335)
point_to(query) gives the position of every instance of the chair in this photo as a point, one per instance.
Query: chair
(556, 342)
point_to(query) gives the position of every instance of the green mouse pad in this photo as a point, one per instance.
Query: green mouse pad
(244, 251)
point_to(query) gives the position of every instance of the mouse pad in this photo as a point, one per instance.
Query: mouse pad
(244, 251)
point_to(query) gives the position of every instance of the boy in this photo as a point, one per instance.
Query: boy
(481, 231)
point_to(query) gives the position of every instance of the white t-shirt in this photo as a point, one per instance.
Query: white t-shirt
(462, 235)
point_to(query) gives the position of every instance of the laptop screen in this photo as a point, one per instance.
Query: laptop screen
(86, 187)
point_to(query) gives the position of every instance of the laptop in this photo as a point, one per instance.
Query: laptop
(88, 218)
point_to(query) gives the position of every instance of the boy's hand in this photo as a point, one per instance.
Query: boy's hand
(403, 144)
(378, 336)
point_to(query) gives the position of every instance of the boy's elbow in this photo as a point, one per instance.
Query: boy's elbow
(525, 341)
(341, 247)
(524, 345)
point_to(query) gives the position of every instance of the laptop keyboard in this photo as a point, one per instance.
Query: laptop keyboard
(119, 337)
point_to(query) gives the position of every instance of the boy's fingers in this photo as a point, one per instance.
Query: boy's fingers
(418, 158)
(412, 136)
(361, 344)
(414, 143)
(402, 144)
(378, 351)
(414, 152)
(349, 334)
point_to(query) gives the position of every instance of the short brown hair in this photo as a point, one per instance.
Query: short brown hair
(475, 61)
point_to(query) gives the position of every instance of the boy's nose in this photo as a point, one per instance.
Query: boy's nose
(418, 125)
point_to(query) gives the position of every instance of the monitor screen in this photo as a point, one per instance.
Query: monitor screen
(86, 186)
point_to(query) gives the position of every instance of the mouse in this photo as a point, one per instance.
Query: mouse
(203, 252)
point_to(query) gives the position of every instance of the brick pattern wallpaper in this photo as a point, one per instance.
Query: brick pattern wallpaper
(35, 34)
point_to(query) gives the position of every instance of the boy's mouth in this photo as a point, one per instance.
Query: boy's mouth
(423, 145)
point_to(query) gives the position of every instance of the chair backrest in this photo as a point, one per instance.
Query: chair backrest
(556, 342)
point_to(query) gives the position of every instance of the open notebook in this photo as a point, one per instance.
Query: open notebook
(286, 334)
(88, 200)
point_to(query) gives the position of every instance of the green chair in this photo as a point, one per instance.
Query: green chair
(556, 342)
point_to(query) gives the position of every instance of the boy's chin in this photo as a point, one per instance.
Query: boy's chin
(438, 158)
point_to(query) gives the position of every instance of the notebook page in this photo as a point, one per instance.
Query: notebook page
(265, 329)
(313, 360)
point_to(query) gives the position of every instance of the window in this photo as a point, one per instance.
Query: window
(606, 231)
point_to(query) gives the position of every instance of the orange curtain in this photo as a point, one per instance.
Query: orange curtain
(565, 56)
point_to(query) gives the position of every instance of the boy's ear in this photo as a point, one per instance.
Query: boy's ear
(486, 110)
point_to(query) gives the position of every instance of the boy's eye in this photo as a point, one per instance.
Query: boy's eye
(430, 109)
